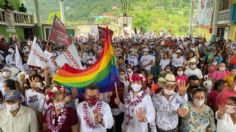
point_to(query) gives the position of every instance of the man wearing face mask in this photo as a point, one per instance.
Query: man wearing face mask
(94, 114)
(147, 60)
(138, 107)
(17, 117)
(167, 104)
(193, 70)
(177, 59)
(132, 58)
(6, 74)
(10, 58)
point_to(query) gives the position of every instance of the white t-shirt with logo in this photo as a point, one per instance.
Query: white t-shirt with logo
(197, 72)
(176, 62)
(147, 59)
(33, 98)
(164, 63)
(132, 60)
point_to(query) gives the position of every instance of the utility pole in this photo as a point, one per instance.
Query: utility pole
(191, 19)
(215, 19)
(62, 10)
(36, 3)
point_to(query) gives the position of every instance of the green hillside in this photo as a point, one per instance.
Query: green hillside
(151, 15)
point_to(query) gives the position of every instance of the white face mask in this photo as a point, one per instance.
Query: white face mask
(169, 92)
(193, 66)
(2, 106)
(6, 74)
(229, 109)
(129, 70)
(198, 102)
(136, 87)
(180, 73)
(59, 105)
(221, 68)
(234, 88)
(12, 107)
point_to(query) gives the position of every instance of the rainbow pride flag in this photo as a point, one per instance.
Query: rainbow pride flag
(103, 73)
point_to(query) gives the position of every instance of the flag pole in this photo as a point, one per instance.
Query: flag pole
(116, 90)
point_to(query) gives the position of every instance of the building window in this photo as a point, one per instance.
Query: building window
(220, 32)
(224, 5)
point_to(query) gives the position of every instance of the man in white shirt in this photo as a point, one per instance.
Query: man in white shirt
(167, 104)
(6, 74)
(193, 70)
(16, 117)
(10, 58)
(147, 60)
(177, 59)
(94, 114)
(138, 107)
(132, 59)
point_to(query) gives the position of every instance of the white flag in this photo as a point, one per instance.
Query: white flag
(18, 60)
(71, 57)
(36, 56)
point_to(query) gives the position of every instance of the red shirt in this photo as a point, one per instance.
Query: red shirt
(71, 120)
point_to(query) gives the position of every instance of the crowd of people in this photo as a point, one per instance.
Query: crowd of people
(168, 84)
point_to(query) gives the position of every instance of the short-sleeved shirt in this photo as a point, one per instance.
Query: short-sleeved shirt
(198, 121)
(33, 98)
(71, 119)
(147, 59)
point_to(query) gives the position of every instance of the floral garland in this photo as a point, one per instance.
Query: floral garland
(52, 93)
(86, 114)
(51, 122)
(130, 105)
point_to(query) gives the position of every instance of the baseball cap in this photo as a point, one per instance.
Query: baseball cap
(12, 95)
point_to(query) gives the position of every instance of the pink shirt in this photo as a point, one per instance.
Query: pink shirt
(210, 75)
(223, 95)
(219, 75)
(182, 78)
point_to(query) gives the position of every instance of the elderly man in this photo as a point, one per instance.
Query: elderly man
(17, 117)
(94, 114)
(167, 104)
(193, 70)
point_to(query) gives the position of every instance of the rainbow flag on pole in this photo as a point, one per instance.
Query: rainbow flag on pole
(103, 73)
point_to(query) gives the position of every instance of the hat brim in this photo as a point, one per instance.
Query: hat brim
(171, 83)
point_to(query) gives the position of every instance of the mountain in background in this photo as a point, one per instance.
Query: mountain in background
(151, 15)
